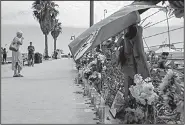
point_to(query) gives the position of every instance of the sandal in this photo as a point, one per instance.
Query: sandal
(16, 75)
(20, 75)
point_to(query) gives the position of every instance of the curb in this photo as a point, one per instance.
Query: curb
(97, 101)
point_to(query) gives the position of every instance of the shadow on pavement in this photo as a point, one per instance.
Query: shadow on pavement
(9, 77)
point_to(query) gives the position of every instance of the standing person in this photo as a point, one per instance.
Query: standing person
(163, 60)
(56, 54)
(31, 50)
(69, 55)
(4, 55)
(17, 62)
(132, 57)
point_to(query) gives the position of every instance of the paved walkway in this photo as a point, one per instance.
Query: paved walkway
(46, 94)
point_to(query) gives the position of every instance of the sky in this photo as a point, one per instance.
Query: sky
(72, 13)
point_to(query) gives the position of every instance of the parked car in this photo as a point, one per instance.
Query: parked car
(64, 56)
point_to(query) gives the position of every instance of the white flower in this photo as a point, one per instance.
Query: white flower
(104, 68)
(92, 63)
(152, 98)
(134, 91)
(143, 95)
(99, 75)
(138, 80)
(148, 79)
(141, 100)
(87, 70)
(94, 76)
(101, 57)
(148, 88)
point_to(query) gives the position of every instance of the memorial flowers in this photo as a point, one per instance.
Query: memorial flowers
(143, 92)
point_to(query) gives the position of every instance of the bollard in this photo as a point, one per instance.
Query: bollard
(96, 99)
(92, 96)
(102, 114)
(102, 110)
(86, 87)
(90, 91)
(97, 104)
(85, 90)
(83, 80)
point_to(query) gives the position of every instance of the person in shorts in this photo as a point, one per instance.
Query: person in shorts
(31, 50)
(4, 55)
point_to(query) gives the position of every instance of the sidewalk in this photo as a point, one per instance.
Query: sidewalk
(46, 94)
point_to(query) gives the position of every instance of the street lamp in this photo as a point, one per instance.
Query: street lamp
(105, 11)
(72, 37)
(91, 12)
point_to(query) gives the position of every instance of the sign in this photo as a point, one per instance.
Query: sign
(117, 103)
(86, 45)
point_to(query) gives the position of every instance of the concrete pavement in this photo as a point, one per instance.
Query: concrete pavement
(46, 94)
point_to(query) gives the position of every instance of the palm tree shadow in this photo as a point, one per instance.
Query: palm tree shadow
(7, 77)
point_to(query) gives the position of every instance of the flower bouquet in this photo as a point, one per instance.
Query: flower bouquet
(143, 91)
(87, 72)
(143, 97)
(171, 95)
(93, 77)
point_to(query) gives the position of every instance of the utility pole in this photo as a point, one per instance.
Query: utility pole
(168, 30)
(91, 12)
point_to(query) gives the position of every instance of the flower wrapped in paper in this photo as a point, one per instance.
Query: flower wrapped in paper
(143, 92)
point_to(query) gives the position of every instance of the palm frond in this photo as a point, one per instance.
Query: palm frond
(57, 29)
(45, 12)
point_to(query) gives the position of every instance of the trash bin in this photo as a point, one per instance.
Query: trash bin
(40, 58)
(37, 58)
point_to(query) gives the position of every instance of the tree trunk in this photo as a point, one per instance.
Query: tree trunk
(46, 46)
(55, 46)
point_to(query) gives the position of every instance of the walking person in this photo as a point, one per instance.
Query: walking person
(17, 62)
(4, 55)
(31, 50)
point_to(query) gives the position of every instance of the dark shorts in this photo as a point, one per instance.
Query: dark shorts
(30, 56)
(4, 56)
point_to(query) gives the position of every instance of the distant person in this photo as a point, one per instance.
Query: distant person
(69, 55)
(17, 62)
(163, 60)
(4, 55)
(56, 54)
(31, 50)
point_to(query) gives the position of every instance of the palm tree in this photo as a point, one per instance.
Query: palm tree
(45, 13)
(56, 32)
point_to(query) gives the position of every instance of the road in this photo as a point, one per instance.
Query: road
(47, 94)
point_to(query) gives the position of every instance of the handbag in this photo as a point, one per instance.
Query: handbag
(13, 47)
